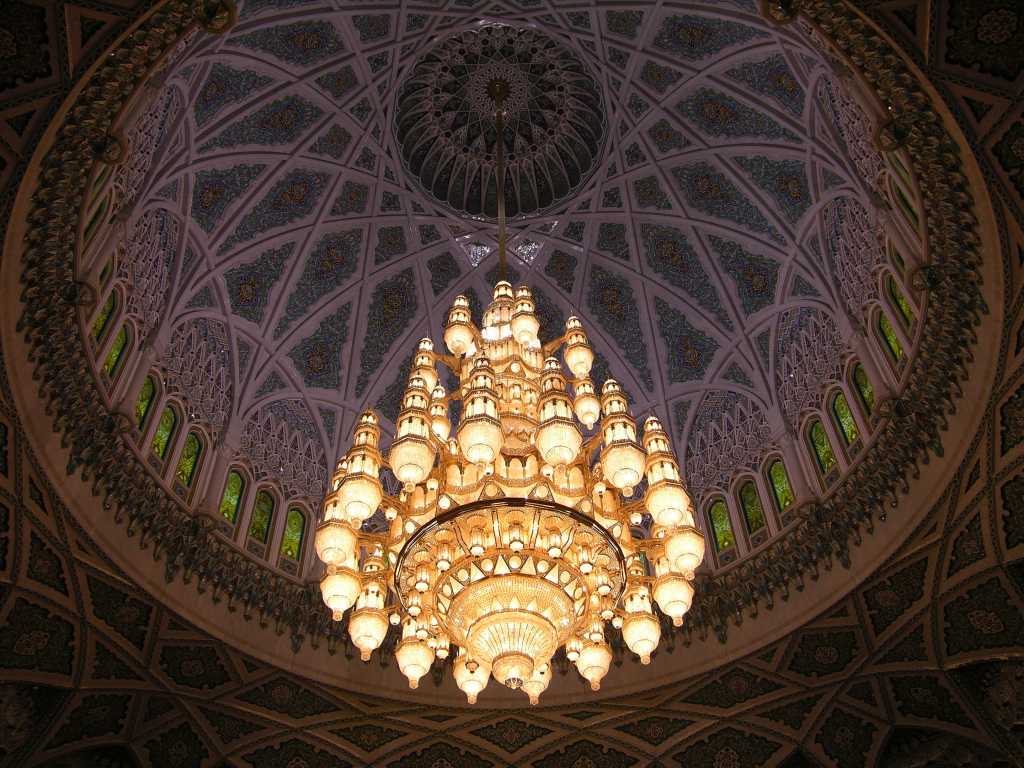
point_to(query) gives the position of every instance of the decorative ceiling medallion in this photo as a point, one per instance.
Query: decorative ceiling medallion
(554, 121)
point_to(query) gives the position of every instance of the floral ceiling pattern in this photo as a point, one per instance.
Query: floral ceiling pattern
(709, 222)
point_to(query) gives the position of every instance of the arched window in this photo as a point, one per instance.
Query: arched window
(844, 419)
(93, 225)
(896, 256)
(782, 491)
(101, 324)
(262, 516)
(165, 431)
(899, 301)
(865, 392)
(231, 500)
(721, 526)
(107, 271)
(144, 402)
(117, 354)
(889, 339)
(821, 447)
(907, 208)
(188, 462)
(750, 504)
(294, 531)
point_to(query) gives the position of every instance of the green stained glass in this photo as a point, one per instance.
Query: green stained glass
(892, 342)
(844, 418)
(822, 448)
(232, 498)
(750, 503)
(107, 271)
(101, 178)
(865, 391)
(908, 208)
(900, 302)
(188, 462)
(165, 430)
(897, 258)
(116, 354)
(781, 489)
(294, 529)
(94, 222)
(144, 402)
(721, 526)
(102, 321)
(262, 515)
(900, 167)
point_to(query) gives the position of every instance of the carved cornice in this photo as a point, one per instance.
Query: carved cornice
(909, 428)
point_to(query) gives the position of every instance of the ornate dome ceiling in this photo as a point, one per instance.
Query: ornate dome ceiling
(276, 264)
(284, 240)
(445, 121)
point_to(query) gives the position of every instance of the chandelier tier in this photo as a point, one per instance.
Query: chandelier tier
(508, 539)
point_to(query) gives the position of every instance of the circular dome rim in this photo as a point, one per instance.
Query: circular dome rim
(559, 204)
(67, 296)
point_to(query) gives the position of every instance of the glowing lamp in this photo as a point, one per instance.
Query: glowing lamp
(538, 683)
(339, 588)
(336, 542)
(668, 503)
(360, 495)
(623, 466)
(642, 633)
(587, 405)
(593, 663)
(414, 658)
(524, 322)
(459, 332)
(471, 676)
(685, 550)
(411, 459)
(579, 357)
(367, 628)
(674, 596)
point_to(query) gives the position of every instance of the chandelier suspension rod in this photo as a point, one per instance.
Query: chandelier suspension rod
(498, 90)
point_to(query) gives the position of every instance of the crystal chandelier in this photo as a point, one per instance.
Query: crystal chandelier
(509, 539)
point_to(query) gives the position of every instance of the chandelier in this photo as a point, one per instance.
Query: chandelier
(515, 532)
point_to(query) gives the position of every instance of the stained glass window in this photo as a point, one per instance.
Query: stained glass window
(188, 462)
(107, 271)
(144, 402)
(94, 222)
(116, 355)
(294, 530)
(897, 257)
(102, 321)
(821, 447)
(165, 430)
(865, 391)
(908, 208)
(721, 526)
(888, 334)
(781, 488)
(750, 503)
(900, 302)
(4, 442)
(262, 516)
(844, 419)
(231, 501)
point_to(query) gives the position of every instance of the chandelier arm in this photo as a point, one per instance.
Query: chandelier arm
(552, 346)
(451, 362)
